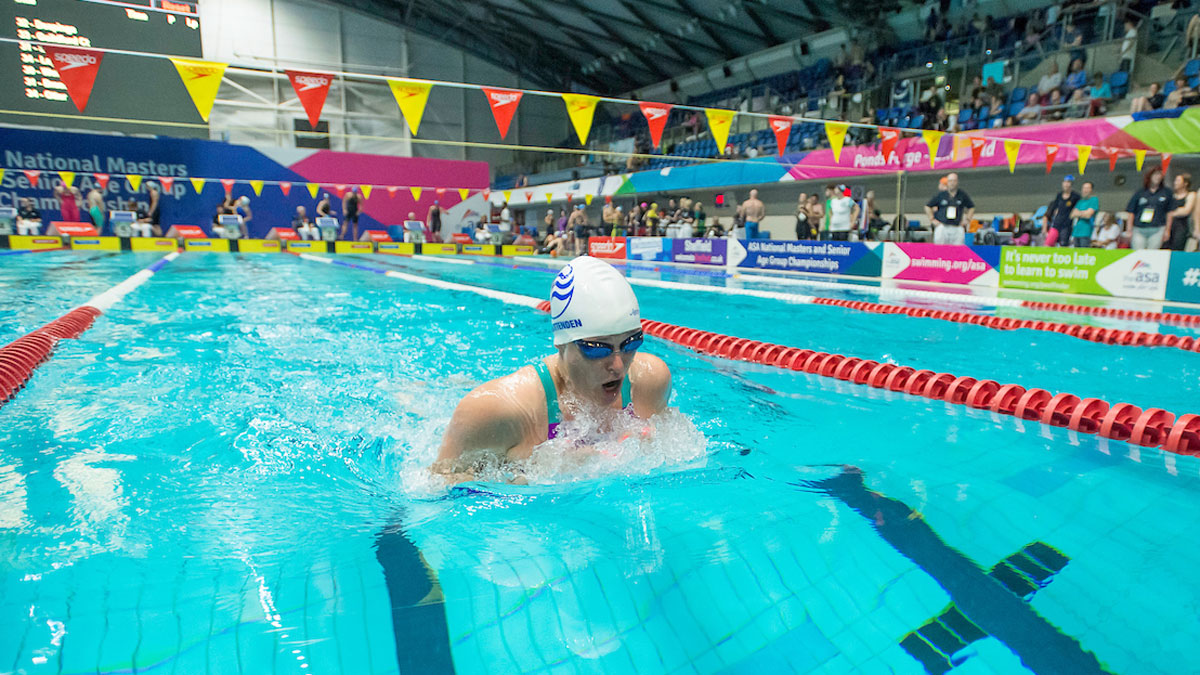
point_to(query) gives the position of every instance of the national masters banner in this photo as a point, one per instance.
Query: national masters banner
(824, 257)
(1120, 272)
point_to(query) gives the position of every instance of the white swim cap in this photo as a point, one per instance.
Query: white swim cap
(591, 298)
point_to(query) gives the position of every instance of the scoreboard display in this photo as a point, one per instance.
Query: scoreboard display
(126, 87)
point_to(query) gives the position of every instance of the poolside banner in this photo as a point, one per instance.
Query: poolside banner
(77, 70)
(821, 257)
(503, 103)
(699, 251)
(202, 80)
(612, 248)
(656, 117)
(581, 109)
(648, 248)
(1120, 272)
(311, 89)
(973, 265)
(1183, 282)
(411, 96)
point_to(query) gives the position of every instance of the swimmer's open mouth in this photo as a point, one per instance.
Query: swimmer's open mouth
(611, 386)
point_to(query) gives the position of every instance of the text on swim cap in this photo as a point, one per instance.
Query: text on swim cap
(569, 323)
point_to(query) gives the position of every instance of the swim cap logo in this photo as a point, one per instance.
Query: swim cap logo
(564, 289)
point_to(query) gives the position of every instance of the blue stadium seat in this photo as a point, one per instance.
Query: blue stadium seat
(965, 116)
(916, 121)
(1168, 87)
(1018, 94)
(1015, 107)
(1119, 83)
(1192, 68)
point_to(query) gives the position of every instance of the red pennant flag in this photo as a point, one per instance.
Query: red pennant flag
(656, 116)
(286, 188)
(392, 192)
(227, 183)
(441, 192)
(782, 126)
(77, 69)
(504, 104)
(1051, 153)
(101, 180)
(33, 176)
(607, 199)
(487, 195)
(569, 196)
(339, 190)
(887, 141)
(311, 89)
(528, 196)
(1112, 159)
(1166, 162)
(977, 143)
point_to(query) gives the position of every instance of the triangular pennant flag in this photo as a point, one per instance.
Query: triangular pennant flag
(2, 175)
(581, 109)
(33, 176)
(960, 142)
(1084, 152)
(411, 96)
(441, 192)
(487, 195)
(977, 144)
(719, 122)
(528, 197)
(313, 189)
(168, 182)
(340, 190)
(888, 138)
(933, 140)
(503, 103)
(782, 126)
(656, 117)
(202, 80)
(462, 193)
(836, 133)
(1139, 158)
(286, 188)
(257, 185)
(549, 196)
(102, 180)
(1112, 159)
(311, 89)
(607, 199)
(570, 196)
(1012, 148)
(508, 195)
(227, 183)
(587, 199)
(366, 190)
(1166, 162)
(76, 69)
(416, 193)
(1051, 153)
(68, 177)
(135, 181)
(392, 191)
(198, 185)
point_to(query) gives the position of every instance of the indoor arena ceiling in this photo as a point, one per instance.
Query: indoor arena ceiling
(612, 46)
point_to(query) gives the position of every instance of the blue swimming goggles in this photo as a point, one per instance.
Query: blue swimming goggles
(599, 350)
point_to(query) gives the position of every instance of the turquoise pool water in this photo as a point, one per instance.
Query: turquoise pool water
(225, 474)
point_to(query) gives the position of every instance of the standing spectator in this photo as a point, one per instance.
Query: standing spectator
(1050, 81)
(1181, 216)
(752, 212)
(947, 210)
(433, 222)
(68, 206)
(303, 226)
(1151, 101)
(95, 205)
(561, 224)
(1148, 209)
(29, 219)
(843, 213)
(350, 213)
(700, 225)
(1072, 38)
(802, 217)
(1084, 214)
(578, 222)
(1057, 221)
(816, 216)
(1100, 94)
(1109, 233)
(505, 219)
(608, 216)
(549, 221)
(1129, 45)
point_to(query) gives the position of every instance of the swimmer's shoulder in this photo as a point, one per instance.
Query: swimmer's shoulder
(650, 384)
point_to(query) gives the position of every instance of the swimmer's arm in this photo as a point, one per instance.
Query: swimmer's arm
(479, 426)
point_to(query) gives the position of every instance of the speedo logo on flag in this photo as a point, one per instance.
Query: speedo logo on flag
(64, 61)
(310, 82)
(780, 125)
(503, 99)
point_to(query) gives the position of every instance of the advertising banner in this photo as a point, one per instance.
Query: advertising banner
(701, 251)
(511, 250)
(1183, 281)
(478, 249)
(973, 265)
(612, 248)
(823, 257)
(648, 248)
(1125, 273)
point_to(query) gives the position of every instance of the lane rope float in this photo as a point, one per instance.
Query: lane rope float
(1150, 427)
(19, 358)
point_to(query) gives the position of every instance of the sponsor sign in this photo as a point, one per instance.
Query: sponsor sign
(648, 248)
(1183, 280)
(194, 231)
(973, 265)
(155, 244)
(512, 249)
(377, 235)
(821, 257)
(1123, 273)
(397, 247)
(19, 242)
(701, 251)
(95, 243)
(214, 245)
(284, 234)
(479, 249)
(354, 247)
(439, 249)
(72, 229)
(259, 246)
(308, 246)
(612, 248)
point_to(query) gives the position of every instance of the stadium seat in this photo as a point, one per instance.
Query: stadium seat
(1192, 68)
(965, 116)
(1168, 87)
(1018, 95)
(1119, 83)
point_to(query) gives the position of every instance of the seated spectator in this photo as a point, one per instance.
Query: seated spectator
(1055, 105)
(29, 219)
(1109, 233)
(1031, 112)
(1050, 81)
(553, 244)
(1151, 101)
(1076, 78)
(482, 236)
(1100, 95)
(1078, 104)
(304, 226)
(1183, 94)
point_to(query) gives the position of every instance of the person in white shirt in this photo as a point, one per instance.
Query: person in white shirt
(843, 213)
(505, 219)
(1109, 234)
(1129, 45)
(303, 226)
(1051, 80)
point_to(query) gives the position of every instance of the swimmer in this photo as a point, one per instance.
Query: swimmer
(597, 333)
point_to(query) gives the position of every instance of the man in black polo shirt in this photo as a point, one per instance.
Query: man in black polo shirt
(1148, 209)
(948, 210)
(1058, 214)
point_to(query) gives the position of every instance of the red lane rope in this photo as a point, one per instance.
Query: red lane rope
(19, 358)
(1160, 317)
(1152, 427)
(1109, 336)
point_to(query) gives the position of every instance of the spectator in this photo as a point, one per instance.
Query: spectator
(1079, 104)
(1192, 35)
(303, 226)
(561, 224)
(549, 221)
(325, 206)
(1050, 81)
(802, 231)
(240, 207)
(1057, 221)
(1183, 94)
(1109, 233)
(1181, 216)
(506, 220)
(578, 222)
(700, 224)
(1022, 230)
(752, 212)
(843, 212)
(1072, 38)
(1076, 78)
(1031, 112)
(1100, 94)
(553, 245)
(1129, 45)
(1153, 100)
(816, 215)
(947, 210)
(95, 204)
(482, 236)
(1056, 106)
(68, 205)
(1148, 210)
(433, 222)
(350, 213)
(29, 219)
(154, 212)
(651, 219)
(1084, 214)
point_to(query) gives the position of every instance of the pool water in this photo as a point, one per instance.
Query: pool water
(226, 474)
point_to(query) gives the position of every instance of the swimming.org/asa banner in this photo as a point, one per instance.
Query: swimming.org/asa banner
(823, 257)
(1124, 273)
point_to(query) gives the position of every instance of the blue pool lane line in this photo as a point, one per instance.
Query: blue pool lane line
(981, 598)
(418, 611)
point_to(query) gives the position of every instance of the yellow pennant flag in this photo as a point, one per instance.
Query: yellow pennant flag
(462, 193)
(1, 175)
(1011, 150)
(366, 190)
(1084, 152)
(134, 180)
(1139, 156)
(587, 199)
(549, 196)
(202, 79)
(933, 139)
(581, 108)
(836, 133)
(68, 177)
(508, 195)
(313, 188)
(416, 193)
(258, 186)
(411, 96)
(719, 122)
(198, 185)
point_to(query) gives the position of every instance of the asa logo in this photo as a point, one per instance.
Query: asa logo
(564, 290)
(1142, 272)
